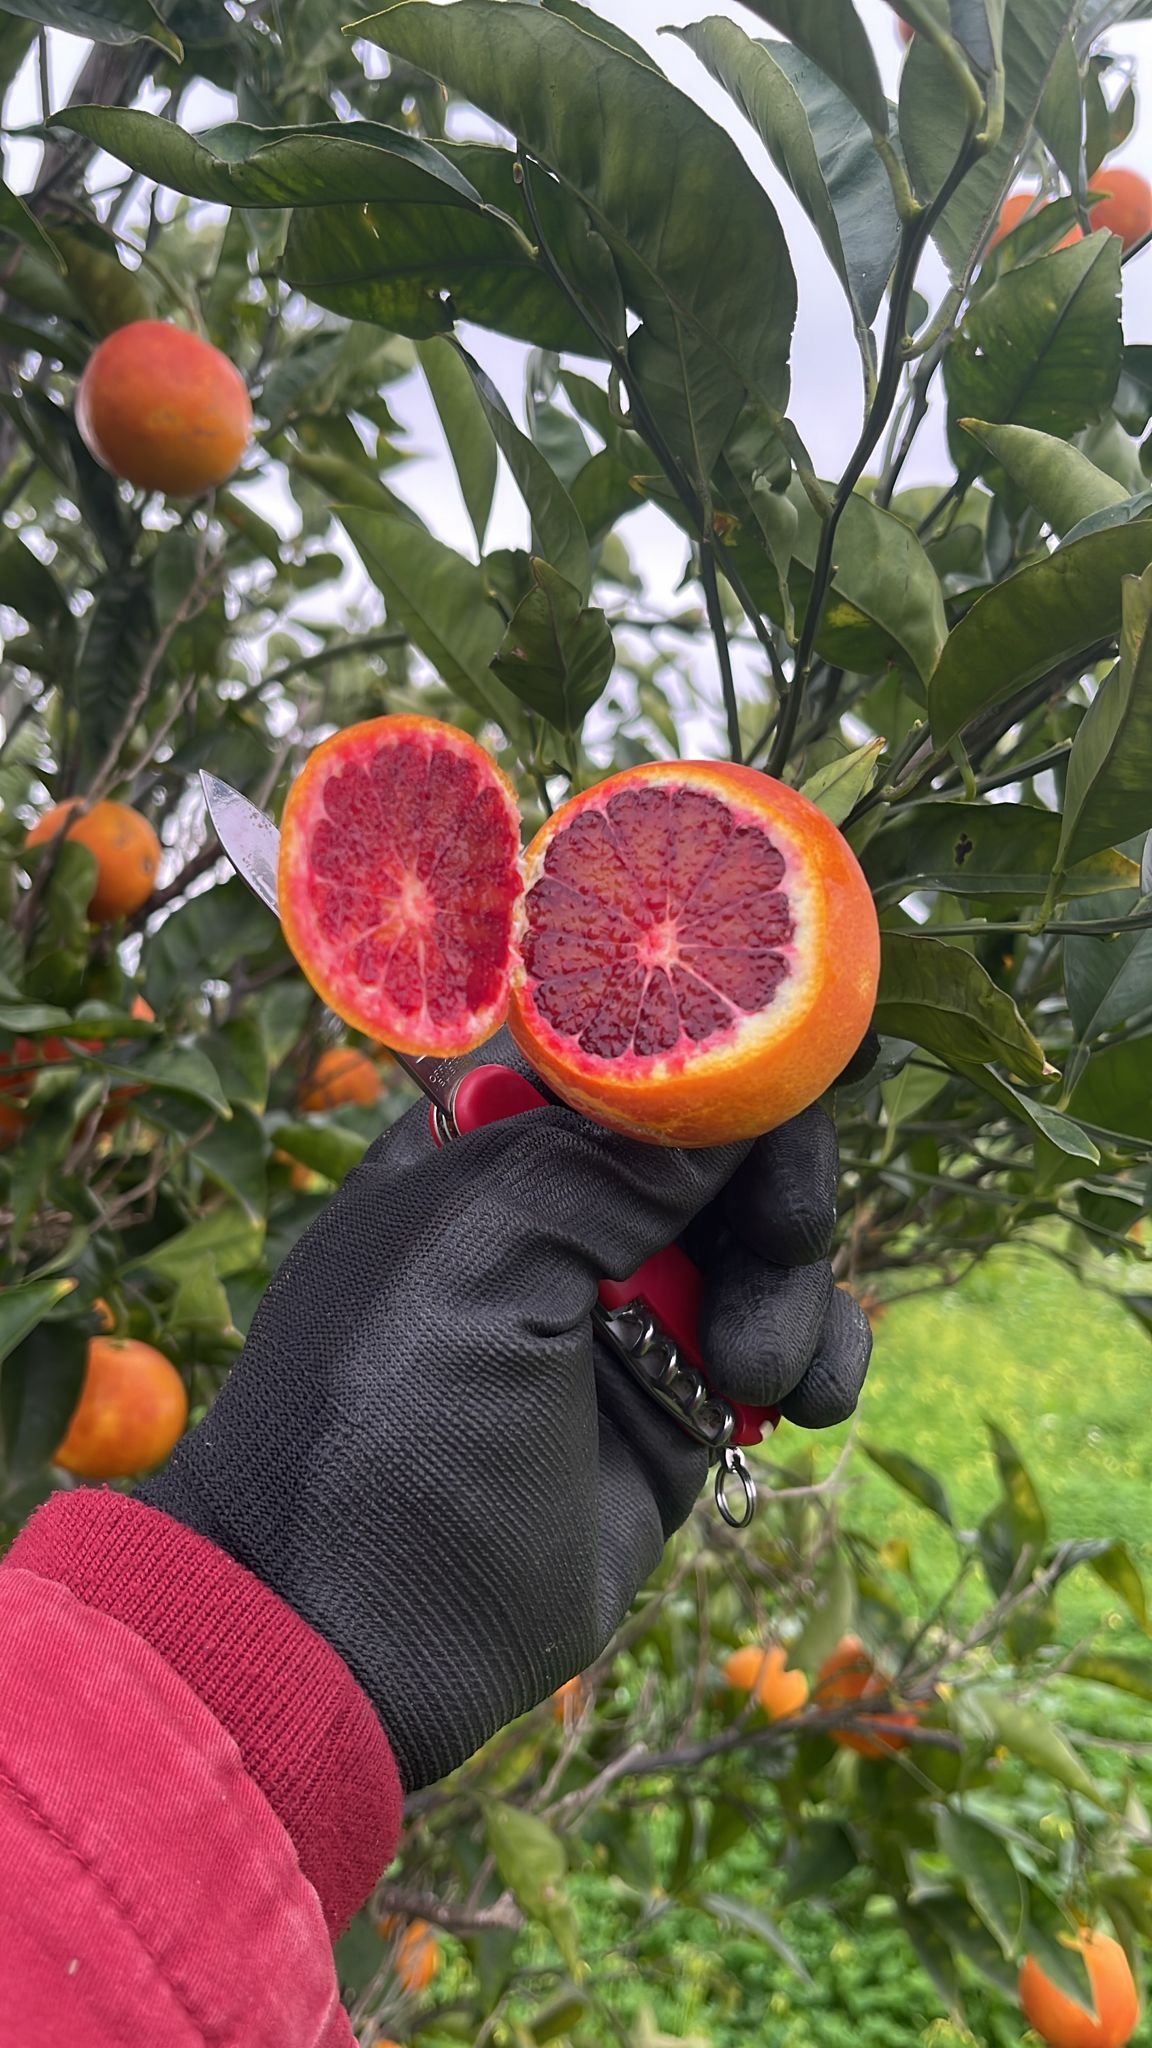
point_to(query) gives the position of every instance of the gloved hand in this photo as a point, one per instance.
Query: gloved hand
(424, 1451)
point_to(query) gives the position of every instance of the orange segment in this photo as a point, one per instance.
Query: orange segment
(399, 876)
(699, 953)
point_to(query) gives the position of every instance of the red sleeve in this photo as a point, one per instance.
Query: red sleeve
(195, 1795)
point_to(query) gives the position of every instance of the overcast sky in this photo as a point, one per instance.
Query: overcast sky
(825, 373)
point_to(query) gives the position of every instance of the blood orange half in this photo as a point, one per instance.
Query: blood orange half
(698, 953)
(399, 879)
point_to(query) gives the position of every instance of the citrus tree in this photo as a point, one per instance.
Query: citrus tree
(961, 677)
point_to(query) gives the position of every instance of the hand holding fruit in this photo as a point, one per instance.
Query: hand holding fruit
(424, 1451)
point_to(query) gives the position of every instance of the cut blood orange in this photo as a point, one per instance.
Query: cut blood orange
(698, 951)
(399, 879)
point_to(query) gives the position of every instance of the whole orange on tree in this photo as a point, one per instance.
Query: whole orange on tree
(125, 845)
(132, 1409)
(1061, 2021)
(164, 409)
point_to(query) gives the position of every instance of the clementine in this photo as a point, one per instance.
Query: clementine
(1127, 206)
(698, 953)
(132, 1410)
(418, 1958)
(1064, 2024)
(764, 1674)
(164, 409)
(340, 1075)
(126, 848)
(847, 1675)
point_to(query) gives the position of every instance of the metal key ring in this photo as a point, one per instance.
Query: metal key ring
(732, 1464)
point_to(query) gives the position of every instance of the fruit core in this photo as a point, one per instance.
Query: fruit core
(659, 924)
(411, 878)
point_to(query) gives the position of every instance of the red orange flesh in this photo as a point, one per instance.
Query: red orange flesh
(164, 409)
(698, 951)
(399, 877)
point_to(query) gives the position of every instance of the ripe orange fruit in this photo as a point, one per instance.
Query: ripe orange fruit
(698, 951)
(568, 1700)
(1064, 2024)
(340, 1075)
(132, 1410)
(126, 848)
(399, 875)
(764, 1674)
(164, 409)
(1012, 213)
(847, 1675)
(1127, 208)
(418, 1956)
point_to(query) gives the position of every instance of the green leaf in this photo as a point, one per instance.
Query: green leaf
(1056, 478)
(1114, 1093)
(932, 123)
(1060, 115)
(990, 1878)
(181, 1070)
(313, 165)
(557, 534)
(329, 1149)
(466, 429)
(1108, 789)
(1037, 1742)
(102, 21)
(703, 260)
(608, 32)
(1133, 401)
(416, 268)
(1114, 1564)
(941, 998)
(1108, 981)
(1047, 1123)
(556, 655)
(934, 1954)
(533, 1863)
(39, 1388)
(18, 220)
(1046, 614)
(820, 145)
(838, 787)
(227, 1237)
(1047, 1939)
(1029, 1524)
(234, 1154)
(914, 1479)
(440, 600)
(21, 1308)
(1126, 1674)
(817, 1859)
(117, 634)
(979, 850)
(41, 1150)
(830, 1617)
(738, 1913)
(1042, 347)
(224, 925)
(833, 36)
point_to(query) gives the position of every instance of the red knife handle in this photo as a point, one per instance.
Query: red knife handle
(668, 1284)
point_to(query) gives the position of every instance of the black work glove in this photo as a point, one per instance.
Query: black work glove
(423, 1450)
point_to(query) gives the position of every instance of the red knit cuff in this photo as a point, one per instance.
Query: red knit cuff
(308, 1735)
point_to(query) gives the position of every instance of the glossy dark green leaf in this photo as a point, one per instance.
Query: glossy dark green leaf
(102, 21)
(417, 269)
(834, 37)
(466, 430)
(820, 145)
(557, 654)
(1133, 400)
(318, 165)
(608, 31)
(886, 603)
(1047, 1123)
(838, 786)
(557, 533)
(1114, 1093)
(703, 260)
(39, 1388)
(1107, 127)
(913, 1478)
(1055, 477)
(1108, 786)
(233, 1153)
(1042, 347)
(941, 998)
(181, 1070)
(980, 850)
(326, 1147)
(988, 1874)
(1108, 982)
(440, 599)
(18, 220)
(116, 638)
(1060, 115)
(932, 123)
(227, 1239)
(23, 1307)
(1046, 614)
(223, 925)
